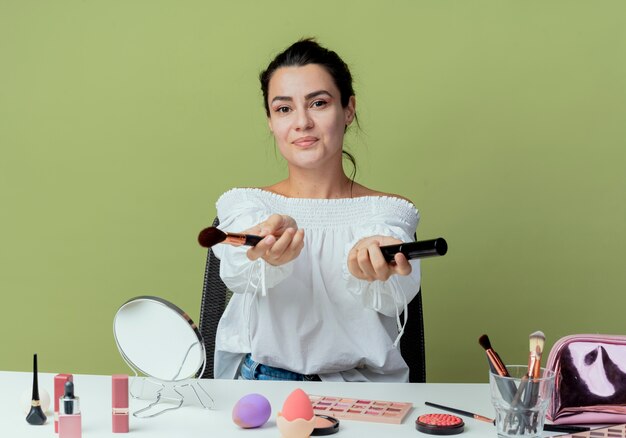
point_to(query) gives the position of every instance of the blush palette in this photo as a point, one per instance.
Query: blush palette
(360, 409)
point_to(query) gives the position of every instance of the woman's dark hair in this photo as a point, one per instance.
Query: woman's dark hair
(308, 51)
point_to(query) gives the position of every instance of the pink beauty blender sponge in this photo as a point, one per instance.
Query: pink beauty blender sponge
(297, 419)
(252, 410)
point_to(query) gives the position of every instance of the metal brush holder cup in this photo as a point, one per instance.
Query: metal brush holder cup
(160, 341)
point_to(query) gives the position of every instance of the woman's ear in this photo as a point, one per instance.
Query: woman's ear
(350, 110)
(269, 123)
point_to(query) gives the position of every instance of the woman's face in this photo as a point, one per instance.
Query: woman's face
(306, 116)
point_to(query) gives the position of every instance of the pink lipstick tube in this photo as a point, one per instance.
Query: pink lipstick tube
(59, 389)
(120, 403)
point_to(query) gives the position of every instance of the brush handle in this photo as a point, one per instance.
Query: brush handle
(506, 372)
(461, 412)
(507, 387)
(416, 250)
(565, 428)
(251, 239)
(35, 379)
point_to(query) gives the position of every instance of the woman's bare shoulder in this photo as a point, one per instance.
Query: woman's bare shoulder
(277, 189)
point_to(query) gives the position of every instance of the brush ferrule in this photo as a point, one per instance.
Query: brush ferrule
(533, 366)
(497, 363)
(537, 369)
(235, 239)
(485, 419)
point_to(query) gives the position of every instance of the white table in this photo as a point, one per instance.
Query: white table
(193, 421)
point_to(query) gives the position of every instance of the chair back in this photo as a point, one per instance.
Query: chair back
(215, 297)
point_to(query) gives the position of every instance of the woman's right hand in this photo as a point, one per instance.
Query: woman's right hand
(282, 241)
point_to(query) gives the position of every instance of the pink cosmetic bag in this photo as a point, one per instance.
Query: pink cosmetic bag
(590, 385)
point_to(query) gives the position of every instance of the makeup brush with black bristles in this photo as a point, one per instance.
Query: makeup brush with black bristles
(212, 236)
(495, 363)
(507, 387)
(36, 417)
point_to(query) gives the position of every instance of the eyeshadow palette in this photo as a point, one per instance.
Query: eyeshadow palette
(360, 409)
(617, 431)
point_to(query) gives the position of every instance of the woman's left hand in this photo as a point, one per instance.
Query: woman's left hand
(366, 261)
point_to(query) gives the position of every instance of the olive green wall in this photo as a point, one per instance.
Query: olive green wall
(121, 122)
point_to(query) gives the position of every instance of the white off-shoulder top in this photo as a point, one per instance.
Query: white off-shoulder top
(311, 315)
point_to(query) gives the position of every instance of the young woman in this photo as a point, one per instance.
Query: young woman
(315, 298)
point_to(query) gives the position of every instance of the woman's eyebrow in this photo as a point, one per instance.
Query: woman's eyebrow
(307, 97)
(317, 93)
(281, 98)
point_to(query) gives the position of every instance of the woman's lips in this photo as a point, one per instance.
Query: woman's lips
(305, 141)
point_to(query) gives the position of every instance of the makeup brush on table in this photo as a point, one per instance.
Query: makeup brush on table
(212, 236)
(566, 428)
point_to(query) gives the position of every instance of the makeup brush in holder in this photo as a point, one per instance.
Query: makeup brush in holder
(536, 343)
(528, 390)
(35, 416)
(496, 365)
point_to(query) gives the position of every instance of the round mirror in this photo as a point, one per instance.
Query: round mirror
(158, 339)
